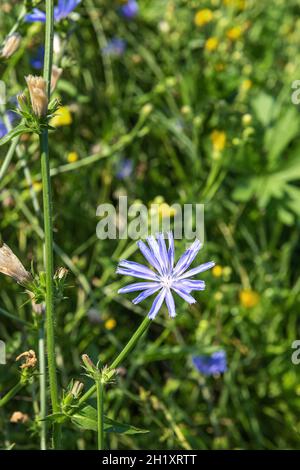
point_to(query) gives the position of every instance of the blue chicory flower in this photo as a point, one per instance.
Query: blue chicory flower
(125, 168)
(61, 11)
(11, 117)
(130, 9)
(167, 277)
(115, 47)
(37, 61)
(216, 363)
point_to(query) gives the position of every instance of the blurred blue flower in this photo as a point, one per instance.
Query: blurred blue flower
(125, 168)
(130, 9)
(166, 277)
(11, 117)
(3, 130)
(37, 61)
(210, 365)
(61, 11)
(115, 47)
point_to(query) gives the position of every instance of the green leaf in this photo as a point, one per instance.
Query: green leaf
(20, 129)
(285, 130)
(87, 419)
(263, 106)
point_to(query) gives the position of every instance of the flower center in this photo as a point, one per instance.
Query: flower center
(166, 281)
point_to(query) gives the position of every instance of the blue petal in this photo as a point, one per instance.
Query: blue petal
(148, 255)
(187, 258)
(184, 295)
(197, 270)
(64, 8)
(36, 16)
(171, 250)
(170, 304)
(163, 252)
(145, 294)
(136, 286)
(158, 301)
(190, 284)
(134, 273)
(155, 252)
(139, 268)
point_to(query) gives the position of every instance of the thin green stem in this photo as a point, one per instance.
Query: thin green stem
(43, 387)
(123, 354)
(100, 413)
(48, 229)
(8, 157)
(13, 391)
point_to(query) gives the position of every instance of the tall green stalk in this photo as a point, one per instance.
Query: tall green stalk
(100, 413)
(48, 229)
(43, 387)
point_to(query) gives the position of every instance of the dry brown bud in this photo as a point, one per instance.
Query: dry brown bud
(19, 417)
(30, 359)
(11, 266)
(11, 45)
(38, 94)
(55, 75)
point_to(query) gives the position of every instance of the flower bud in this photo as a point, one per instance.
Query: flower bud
(61, 273)
(12, 43)
(88, 363)
(77, 389)
(11, 266)
(55, 75)
(38, 95)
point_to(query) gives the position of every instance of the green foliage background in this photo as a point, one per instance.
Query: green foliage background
(252, 204)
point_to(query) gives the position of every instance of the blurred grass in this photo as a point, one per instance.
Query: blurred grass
(248, 177)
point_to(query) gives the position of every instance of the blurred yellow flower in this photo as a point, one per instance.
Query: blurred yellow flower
(218, 296)
(63, 117)
(72, 157)
(217, 271)
(37, 186)
(203, 17)
(218, 139)
(246, 85)
(162, 208)
(211, 44)
(249, 298)
(110, 324)
(241, 4)
(166, 211)
(234, 33)
(246, 119)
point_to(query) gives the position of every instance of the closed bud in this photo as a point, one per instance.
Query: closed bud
(22, 101)
(77, 389)
(11, 266)
(38, 95)
(61, 273)
(88, 363)
(55, 75)
(11, 44)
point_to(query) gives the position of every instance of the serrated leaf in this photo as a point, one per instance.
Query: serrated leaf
(87, 419)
